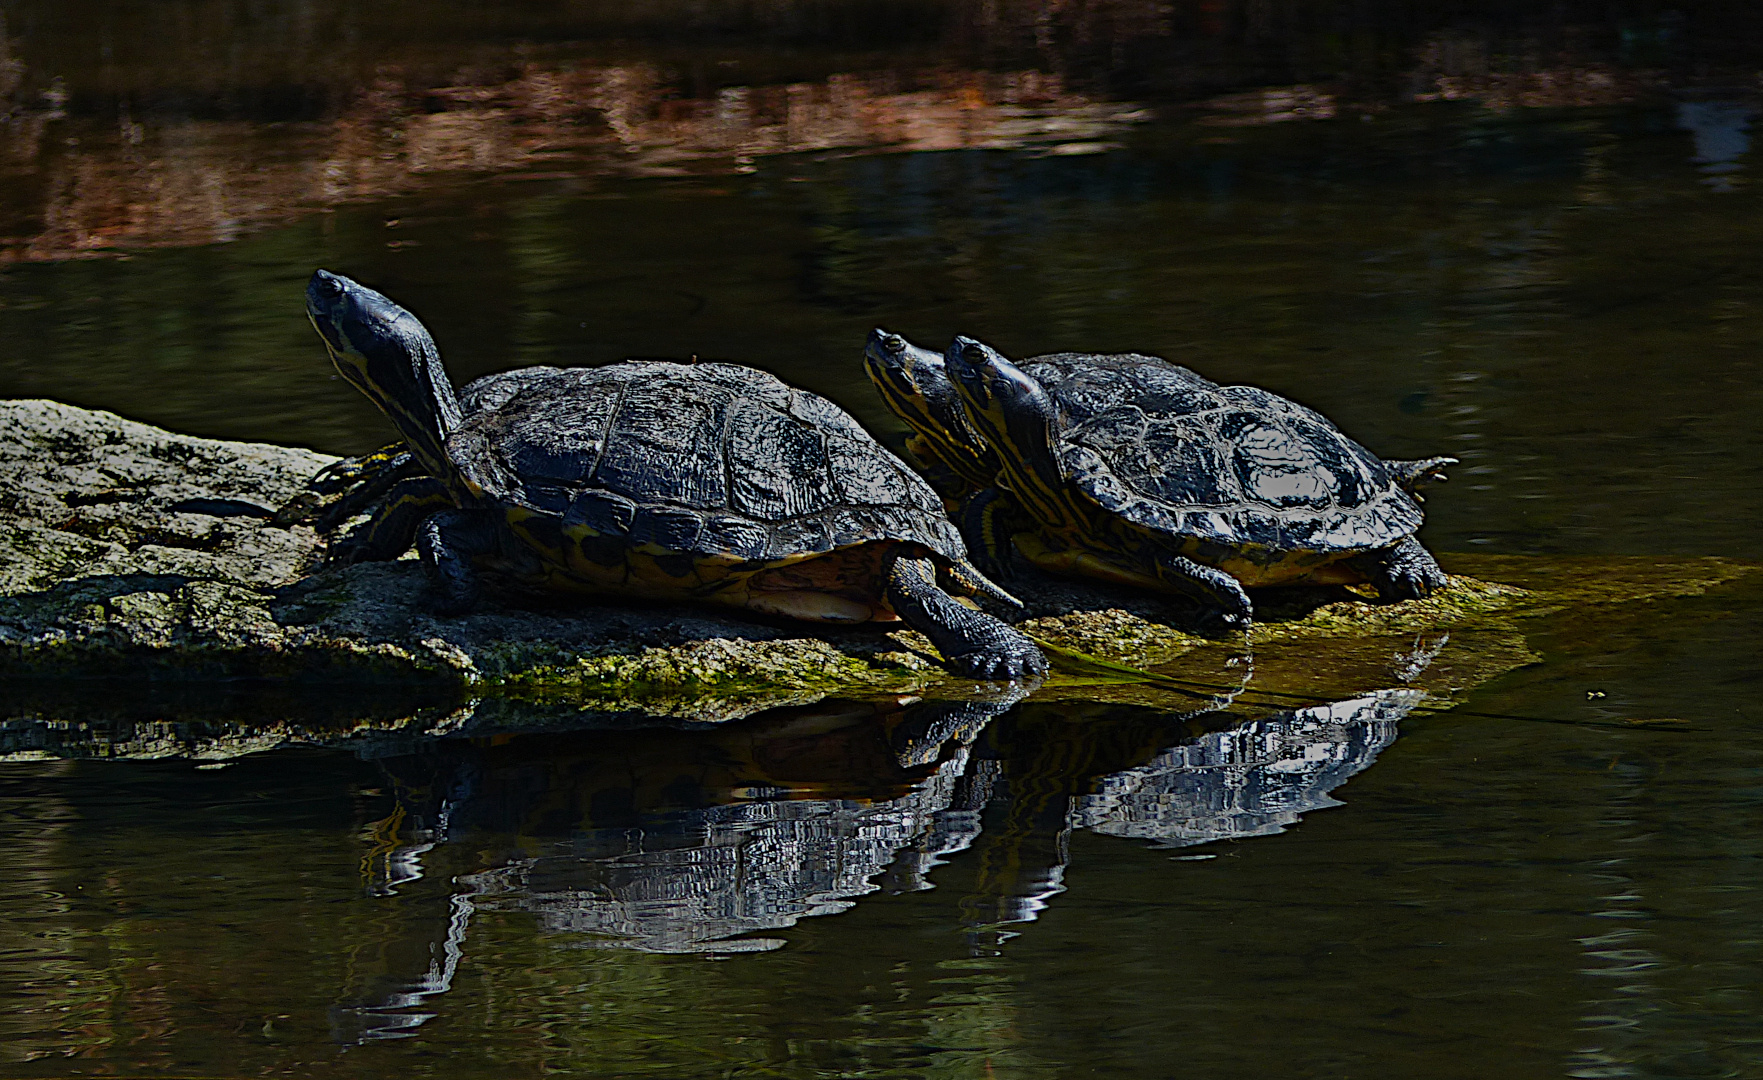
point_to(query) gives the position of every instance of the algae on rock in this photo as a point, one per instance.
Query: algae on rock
(131, 553)
(128, 550)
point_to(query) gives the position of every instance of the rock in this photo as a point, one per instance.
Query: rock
(131, 551)
(134, 562)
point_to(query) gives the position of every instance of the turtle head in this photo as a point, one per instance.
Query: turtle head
(915, 384)
(900, 369)
(1008, 408)
(383, 351)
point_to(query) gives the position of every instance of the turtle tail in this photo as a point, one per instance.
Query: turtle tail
(1411, 476)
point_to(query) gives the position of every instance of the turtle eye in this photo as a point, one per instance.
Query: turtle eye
(974, 354)
(894, 343)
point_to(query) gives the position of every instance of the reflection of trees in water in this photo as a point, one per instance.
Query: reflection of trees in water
(182, 149)
(687, 842)
(12, 71)
(185, 182)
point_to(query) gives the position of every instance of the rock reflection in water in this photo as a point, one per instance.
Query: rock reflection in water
(704, 841)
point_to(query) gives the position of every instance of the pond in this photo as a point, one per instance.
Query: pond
(1524, 239)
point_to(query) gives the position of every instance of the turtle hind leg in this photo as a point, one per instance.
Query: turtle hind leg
(972, 642)
(1222, 595)
(448, 543)
(1403, 571)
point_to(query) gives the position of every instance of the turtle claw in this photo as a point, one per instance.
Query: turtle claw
(296, 511)
(1412, 475)
(349, 550)
(1406, 571)
(1412, 583)
(1009, 662)
(1236, 620)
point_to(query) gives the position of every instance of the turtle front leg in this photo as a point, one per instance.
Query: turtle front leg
(393, 460)
(1216, 590)
(988, 519)
(972, 642)
(389, 532)
(345, 488)
(1404, 571)
(448, 543)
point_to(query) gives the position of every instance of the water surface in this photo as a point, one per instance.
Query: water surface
(1525, 240)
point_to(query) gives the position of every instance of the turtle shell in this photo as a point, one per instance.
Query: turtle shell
(1172, 451)
(698, 459)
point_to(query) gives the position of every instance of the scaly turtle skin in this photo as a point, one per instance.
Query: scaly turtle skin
(358, 485)
(1131, 469)
(709, 482)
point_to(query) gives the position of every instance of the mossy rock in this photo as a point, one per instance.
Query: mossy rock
(132, 553)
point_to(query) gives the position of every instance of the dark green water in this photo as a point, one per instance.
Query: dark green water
(1561, 289)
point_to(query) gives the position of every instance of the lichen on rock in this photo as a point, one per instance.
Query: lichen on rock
(128, 550)
(130, 553)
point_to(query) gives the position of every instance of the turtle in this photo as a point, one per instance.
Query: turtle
(652, 479)
(1130, 468)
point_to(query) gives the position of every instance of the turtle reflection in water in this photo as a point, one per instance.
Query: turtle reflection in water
(709, 482)
(1131, 469)
(658, 840)
(706, 841)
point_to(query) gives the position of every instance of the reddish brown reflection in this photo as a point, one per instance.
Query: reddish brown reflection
(209, 122)
(202, 182)
(1459, 68)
